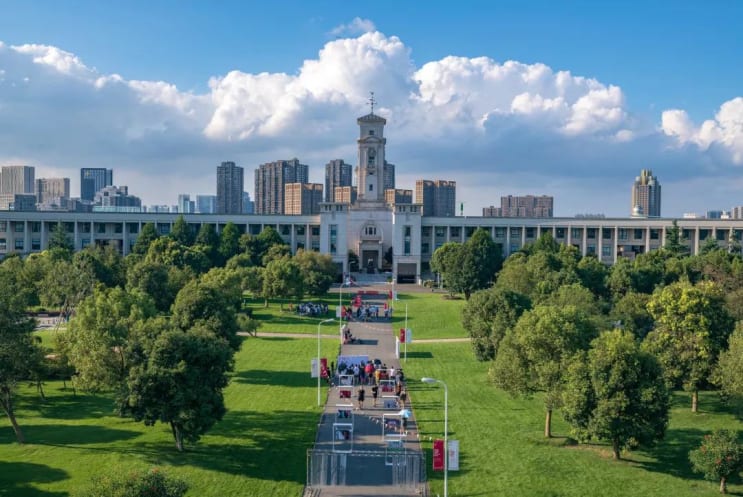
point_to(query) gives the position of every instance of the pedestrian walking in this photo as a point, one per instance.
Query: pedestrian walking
(360, 398)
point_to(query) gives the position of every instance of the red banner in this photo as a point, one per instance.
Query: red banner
(402, 335)
(438, 455)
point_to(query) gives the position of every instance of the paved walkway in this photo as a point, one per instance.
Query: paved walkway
(365, 470)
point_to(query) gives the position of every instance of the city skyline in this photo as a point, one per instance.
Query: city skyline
(499, 117)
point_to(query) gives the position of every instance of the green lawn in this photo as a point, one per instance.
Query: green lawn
(257, 450)
(430, 315)
(276, 319)
(503, 452)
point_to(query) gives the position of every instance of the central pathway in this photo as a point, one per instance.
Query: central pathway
(367, 467)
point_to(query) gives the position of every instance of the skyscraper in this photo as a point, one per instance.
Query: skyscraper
(337, 173)
(94, 179)
(388, 176)
(206, 204)
(17, 179)
(229, 188)
(271, 179)
(645, 195)
(302, 198)
(185, 204)
(248, 205)
(438, 197)
(52, 191)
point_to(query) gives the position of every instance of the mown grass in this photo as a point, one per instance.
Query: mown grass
(430, 315)
(503, 451)
(258, 449)
(277, 318)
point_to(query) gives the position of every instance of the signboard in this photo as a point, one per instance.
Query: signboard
(338, 312)
(408, 335)
(397, 348)
(453, 455)
(314, 369)
(438, 455)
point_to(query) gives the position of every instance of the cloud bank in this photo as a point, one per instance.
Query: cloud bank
(497, 128)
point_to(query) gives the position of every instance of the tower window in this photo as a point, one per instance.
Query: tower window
(371, 132)
(371, 188)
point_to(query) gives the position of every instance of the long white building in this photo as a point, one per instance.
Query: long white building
(397, 238)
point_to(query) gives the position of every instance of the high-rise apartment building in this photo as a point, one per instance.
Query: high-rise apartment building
(116, 196)
(53, 191)
(302, 198)
(248, 205)
(93, 180)
(17, 179)
(394, 196)
(185, 204)
(270, 181)
(388, 176)
(438, 198)
(522, 206)
(230, 188)
(346, 194)
(337, 173)
(206, 204)
(645, 195)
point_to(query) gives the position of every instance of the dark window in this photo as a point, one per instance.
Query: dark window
(639, 234)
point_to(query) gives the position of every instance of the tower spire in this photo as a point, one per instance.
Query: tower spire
(372, 101)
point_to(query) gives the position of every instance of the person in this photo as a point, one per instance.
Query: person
(403, 397)
(362, 394)
(375, 394)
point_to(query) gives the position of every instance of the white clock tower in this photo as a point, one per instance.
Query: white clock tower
(370, 169)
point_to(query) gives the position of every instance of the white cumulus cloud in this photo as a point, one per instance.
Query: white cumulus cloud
(355, 27)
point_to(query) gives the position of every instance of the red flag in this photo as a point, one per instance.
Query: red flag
(438, 455)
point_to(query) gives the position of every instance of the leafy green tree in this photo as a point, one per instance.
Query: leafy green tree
(179, 379)
(59, 239)
(182, 232)
(282, 278)
(578, 296)
(719, 458)
(153, 483)
(482, 259)
(729, 372)
(692, 327)
(209, 240)
(318, 271)
(444, 261)
(535, 355)
(488, 316)
(616, 392)
(146, 237)
(104, 263)
(19, 354)
(593, 275)
(97, 340)
(275, 252)
(545, 243)
(674, 240)
(620, 277)
(210, 305)
(630, 313)
(153, 279)
(228, 241)
(66, 283)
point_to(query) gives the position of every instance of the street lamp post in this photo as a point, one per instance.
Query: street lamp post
(346, 282)
(318, 357)
(446, 431)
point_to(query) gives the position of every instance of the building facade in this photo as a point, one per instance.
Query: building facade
(17, 179)
(522, 206)
(270, 181)
(94, 179)
(52, 191)
(185, 204)
(116, 196)
(229, 188)
(206, 204)
(302, 198)
(337, 174)
(437, 198)
(397, 238)
(645, 195)
(394, 196)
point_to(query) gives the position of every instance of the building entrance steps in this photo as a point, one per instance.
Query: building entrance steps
(367, 451)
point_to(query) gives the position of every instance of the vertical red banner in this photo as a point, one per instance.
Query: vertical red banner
(402, 335)
(323, 363)
(438, 455)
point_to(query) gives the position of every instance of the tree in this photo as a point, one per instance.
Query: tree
(97, 340)
(729, 372)
(719, 457)
(535, 355)
(105, 264)
(616, 392)
(282, 278)
(488, 316)
(692, 327)
(18, 351)
(153, 483)
(182, 232)
(444, 261)
(146, 236)
(318, 271)
(66, 283)
(178, 379)
(228, 241)
(674, 240)
(593, 275)
(209, 240)
(630, 313)
(59, 239)
(482, 259)
(153, 279)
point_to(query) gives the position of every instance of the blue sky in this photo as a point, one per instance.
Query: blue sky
(659, 56)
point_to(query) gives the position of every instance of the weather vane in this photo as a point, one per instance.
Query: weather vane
(372, 101)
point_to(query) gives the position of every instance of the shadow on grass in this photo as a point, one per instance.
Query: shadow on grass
(78, 406)
(671, 456)
(419, 354)
(272, 377)
(17, 478)
(74, 435)
(258, 445)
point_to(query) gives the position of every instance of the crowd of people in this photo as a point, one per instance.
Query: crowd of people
(311, 309)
